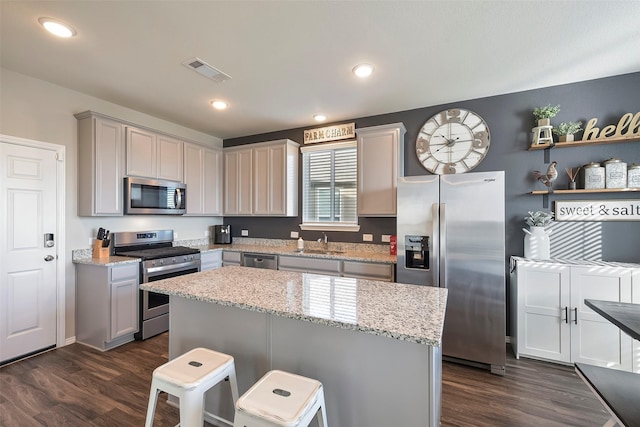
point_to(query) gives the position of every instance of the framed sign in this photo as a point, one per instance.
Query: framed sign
(330, 133)
(597, 210)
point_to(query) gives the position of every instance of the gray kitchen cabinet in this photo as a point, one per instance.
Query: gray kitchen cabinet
(331, 267)
(203, 177)
(238, 186)
(368, 270)
(262, 179)
(106, 304)
(101, 165)
(210, 260)
(550, 320)
(379, 163)
(153, 155)
(231, 258)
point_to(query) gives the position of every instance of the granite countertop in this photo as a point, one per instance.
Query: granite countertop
(405, 312)
(107, 261)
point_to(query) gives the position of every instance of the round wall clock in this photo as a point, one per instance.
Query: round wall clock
(452, 141)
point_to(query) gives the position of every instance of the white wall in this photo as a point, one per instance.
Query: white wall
(34, 109)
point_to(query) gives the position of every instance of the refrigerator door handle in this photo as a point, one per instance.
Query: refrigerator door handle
(443, 246)
(434, 252)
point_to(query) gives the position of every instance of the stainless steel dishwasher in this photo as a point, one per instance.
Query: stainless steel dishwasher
(267, 261)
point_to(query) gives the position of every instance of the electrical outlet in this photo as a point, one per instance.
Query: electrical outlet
(386, 238)
(206, 233)
(367, 237)
(244, 233)
(294, 234)
(90, 241)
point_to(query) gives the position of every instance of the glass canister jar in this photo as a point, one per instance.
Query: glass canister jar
(593, 176)
(633, 176)
(615, 171)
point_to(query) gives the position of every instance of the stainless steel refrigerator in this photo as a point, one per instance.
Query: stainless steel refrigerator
(451, 234)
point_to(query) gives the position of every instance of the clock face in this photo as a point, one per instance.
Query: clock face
(452, 141)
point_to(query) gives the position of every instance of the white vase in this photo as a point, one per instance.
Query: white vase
(536, 243)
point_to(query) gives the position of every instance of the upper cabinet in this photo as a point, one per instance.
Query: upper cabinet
(379, 164)
(262, 179)
(153, 155)
(101, 165)
(203, 177)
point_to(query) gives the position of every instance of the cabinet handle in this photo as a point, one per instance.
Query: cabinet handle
(566, 314)
(575, 315)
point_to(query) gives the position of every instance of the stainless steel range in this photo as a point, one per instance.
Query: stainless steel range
(160, 260)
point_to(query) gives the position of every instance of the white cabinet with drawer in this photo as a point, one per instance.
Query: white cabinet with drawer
(106, 304)
(210, 260)
(368, 270)
(231, 258)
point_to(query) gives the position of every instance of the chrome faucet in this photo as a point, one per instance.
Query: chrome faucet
(324, 241)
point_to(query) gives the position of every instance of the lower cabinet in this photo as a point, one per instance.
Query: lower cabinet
(231, 258)
(106, 304)
(336, 267)
(550, 320)
(210, 260)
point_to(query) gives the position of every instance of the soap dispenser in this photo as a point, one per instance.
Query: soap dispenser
(300, 244)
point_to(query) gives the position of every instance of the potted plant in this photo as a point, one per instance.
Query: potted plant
(565, 131)
(536, 239)
(544, 114)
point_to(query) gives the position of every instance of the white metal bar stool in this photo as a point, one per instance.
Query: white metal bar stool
(281, 399)
(188, 377)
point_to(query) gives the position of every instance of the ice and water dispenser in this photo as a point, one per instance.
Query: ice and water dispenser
(416, 250)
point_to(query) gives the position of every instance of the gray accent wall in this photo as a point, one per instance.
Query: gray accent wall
(510, 121)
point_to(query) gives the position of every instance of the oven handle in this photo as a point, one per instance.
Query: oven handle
(163, 269)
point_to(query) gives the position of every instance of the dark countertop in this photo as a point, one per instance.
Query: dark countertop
(619, 390)
(625, 316)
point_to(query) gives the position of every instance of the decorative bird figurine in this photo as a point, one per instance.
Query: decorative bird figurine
(547, 178)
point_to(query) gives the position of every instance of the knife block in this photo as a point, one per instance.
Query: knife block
(99, 251)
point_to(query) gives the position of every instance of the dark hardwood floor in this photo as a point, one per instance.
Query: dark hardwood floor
(78, 386)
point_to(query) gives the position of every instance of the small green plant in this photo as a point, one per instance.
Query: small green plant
(546, 112)
(567, 128)
(539, 218)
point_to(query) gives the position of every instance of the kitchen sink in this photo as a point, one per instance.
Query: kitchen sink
(320, 251)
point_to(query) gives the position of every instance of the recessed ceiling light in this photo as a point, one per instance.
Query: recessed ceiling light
(363, 70)
(57, 28)
(219, 105)
(319, 117)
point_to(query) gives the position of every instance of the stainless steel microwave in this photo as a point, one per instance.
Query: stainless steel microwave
(144, 196)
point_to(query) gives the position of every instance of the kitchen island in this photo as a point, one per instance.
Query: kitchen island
(375, 346)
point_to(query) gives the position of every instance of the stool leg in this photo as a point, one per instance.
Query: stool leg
(192, 409)
(322, 413)
(233, 382)
(151, 408)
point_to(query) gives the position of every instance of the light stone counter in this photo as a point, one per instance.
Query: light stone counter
(375, 346)
(406, 312)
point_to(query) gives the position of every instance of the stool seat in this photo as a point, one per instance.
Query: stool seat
(188, 377)
(281, 399)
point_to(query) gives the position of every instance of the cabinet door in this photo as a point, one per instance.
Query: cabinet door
(124, 308)
(141, 153)
(368, 270)
(543, 297)
(210, 260)
(193, 178)
(378, 163)
(635, 298)
(278, 180)
(109, 168)
(262, 187)
(238, 173)
(595, 340)
(212, 182)
(170, 160)
(330, 267)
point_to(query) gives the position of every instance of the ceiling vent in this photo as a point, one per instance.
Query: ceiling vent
(201, 67)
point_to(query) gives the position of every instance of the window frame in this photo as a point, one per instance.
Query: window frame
(328, 226)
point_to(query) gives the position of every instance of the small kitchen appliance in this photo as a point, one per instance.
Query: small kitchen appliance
(160, 260)
(222, 234)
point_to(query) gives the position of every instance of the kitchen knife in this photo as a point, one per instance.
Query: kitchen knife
(100, 234)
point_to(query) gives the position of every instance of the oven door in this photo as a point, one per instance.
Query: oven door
(154, 304)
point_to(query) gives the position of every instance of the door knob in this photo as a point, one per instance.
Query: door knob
(48, 258)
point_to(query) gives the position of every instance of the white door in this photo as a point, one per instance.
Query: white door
(28, 269)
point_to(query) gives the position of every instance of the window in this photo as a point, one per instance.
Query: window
(329, 190)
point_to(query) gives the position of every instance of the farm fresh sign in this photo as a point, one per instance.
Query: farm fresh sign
(598, 210)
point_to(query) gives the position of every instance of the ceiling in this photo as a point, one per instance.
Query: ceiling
(291, 59)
